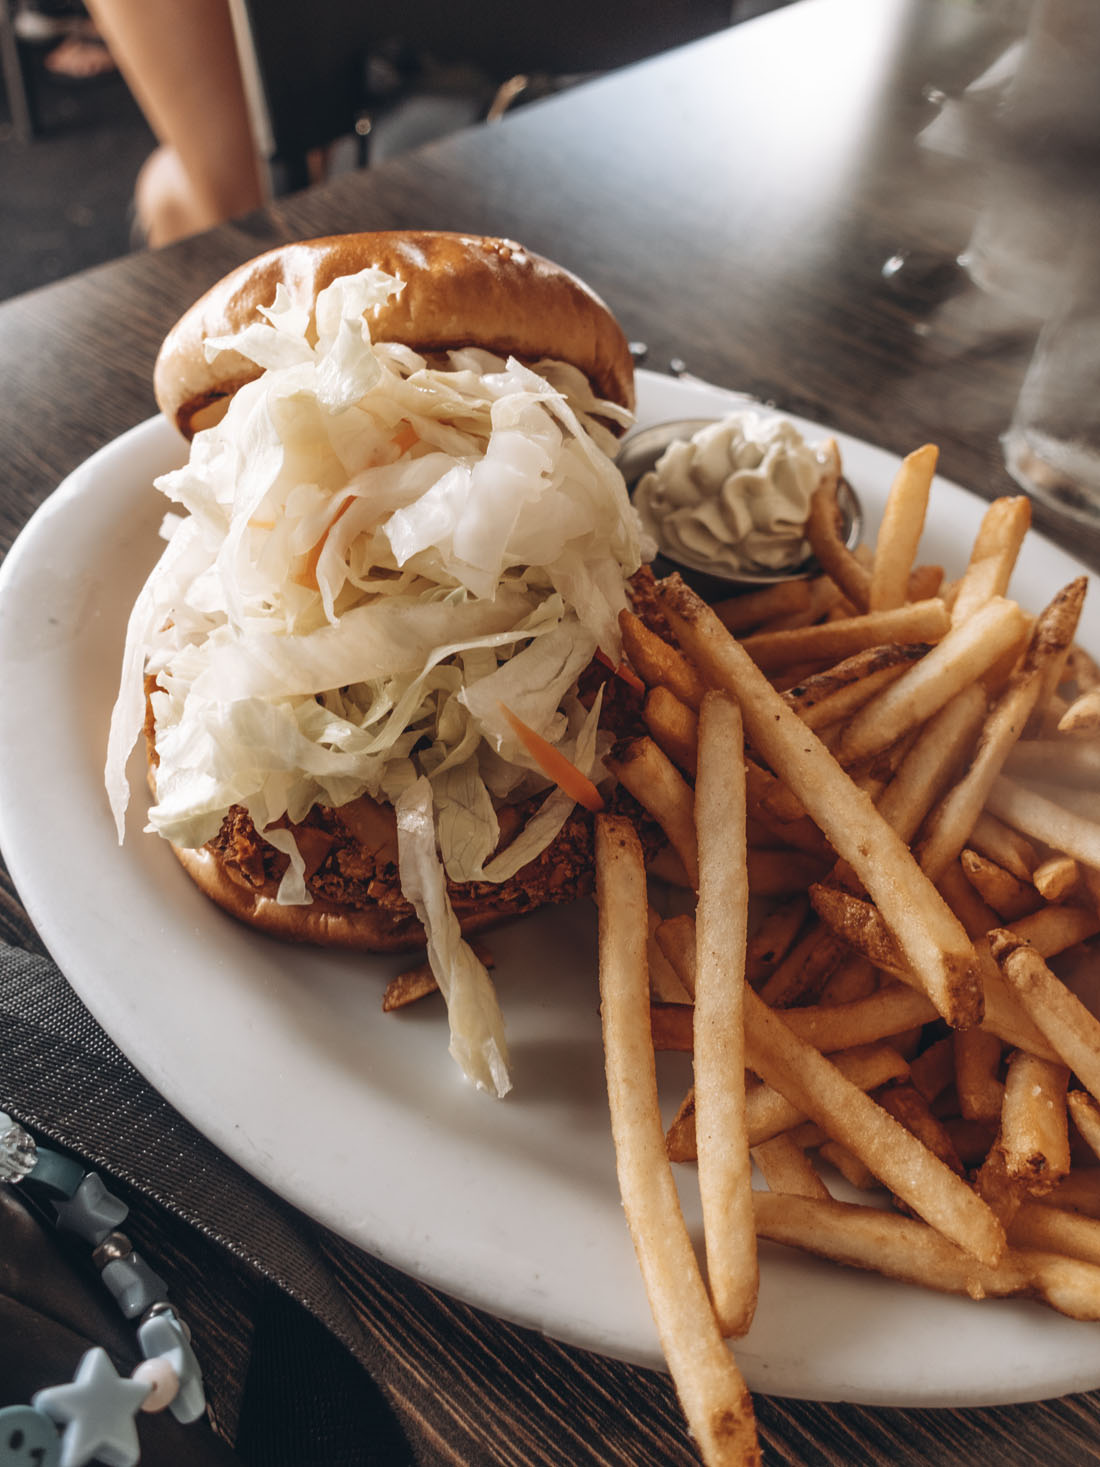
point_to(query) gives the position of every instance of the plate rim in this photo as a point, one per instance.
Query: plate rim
(150, 436)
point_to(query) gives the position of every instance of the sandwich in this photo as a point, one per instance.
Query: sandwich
(375, 663)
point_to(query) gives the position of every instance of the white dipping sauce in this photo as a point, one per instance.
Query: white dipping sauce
(735, 497)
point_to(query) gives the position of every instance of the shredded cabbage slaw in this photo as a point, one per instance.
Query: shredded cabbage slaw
(377, 558)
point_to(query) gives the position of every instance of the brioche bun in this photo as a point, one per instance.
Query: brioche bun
(460, 291)
(322, 923)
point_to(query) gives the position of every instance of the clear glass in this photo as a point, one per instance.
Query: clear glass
(1052, 446)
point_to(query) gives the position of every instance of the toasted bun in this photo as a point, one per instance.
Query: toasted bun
(460, 290)
(323, 923)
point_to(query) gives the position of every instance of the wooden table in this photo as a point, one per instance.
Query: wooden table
(737, 203)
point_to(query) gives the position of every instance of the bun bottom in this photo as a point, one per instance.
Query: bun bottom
(322, 923)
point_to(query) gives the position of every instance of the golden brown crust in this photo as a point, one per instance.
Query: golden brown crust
(460, 290)
(323, 923)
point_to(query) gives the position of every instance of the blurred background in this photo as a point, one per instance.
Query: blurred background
(75, 144)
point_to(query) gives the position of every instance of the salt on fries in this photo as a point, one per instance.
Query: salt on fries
(908, 784)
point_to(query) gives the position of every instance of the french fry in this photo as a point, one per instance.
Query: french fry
(825, 597)
(657, 785)
(1055, 929)
(874, 774)
(673, 726)
(853, 979)
(901, 528)
(977, 1060)
(1009, 897)
(658, 664)
(1041, 819)
(942, 744)
(664, 982)
(785, 1167)
(1056, 878)
(909, 1107)
(1085, 1114)
(785, 598)
(1072, 763)
(831, 1027)
(671, 1027)
(924, 581)
(416, 983)
(676, 939)
(774, 937)
(805, 970)
(823, 533)
(1080, 1192)
(408, 987)
(933, 1070)
(887, 1149)
(1051, 641)
(905, 1249)
(680, 1136)
(1083, 715)
(967, 651)
(993, 838)
(1034, 1137)
(934, 943)
(1071, 1029)
(831, 641)
(862, 927)
(1083, 802)
(769, 1114)
(993, 555)
(854, 1171)
(769, 796)
(951, 823)
(836, 693)
(1056, 1231)
(725, 1170)
(713, 1395)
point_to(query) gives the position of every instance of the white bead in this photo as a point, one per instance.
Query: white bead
(162, 1380)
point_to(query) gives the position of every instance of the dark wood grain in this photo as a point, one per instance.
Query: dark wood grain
(735, 202)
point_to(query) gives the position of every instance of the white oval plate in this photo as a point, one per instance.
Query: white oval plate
(282, 1056)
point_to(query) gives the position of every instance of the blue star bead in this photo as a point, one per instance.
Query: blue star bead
(91, 1212)
(162, 1338)
(134, 1284)
(97, 1412)
(28, 1438)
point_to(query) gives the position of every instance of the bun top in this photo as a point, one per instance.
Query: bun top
(460, 291)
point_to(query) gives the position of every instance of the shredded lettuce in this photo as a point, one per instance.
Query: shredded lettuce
(477, 1026)
(367, 556)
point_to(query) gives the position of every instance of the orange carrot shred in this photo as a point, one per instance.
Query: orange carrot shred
(405, 437)
(628, 675)
(555, 765)
(308, 575)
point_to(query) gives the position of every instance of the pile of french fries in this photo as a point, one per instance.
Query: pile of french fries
(881, 797)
